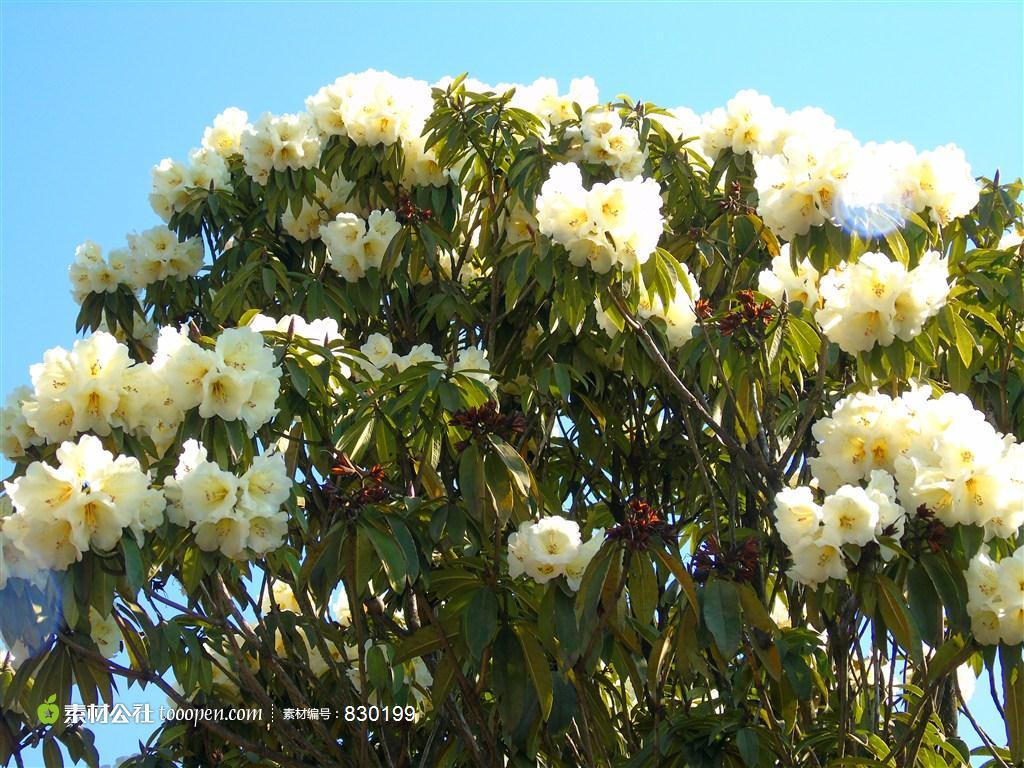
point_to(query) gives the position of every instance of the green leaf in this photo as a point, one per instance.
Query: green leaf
(722, 614)
(391, 556)
(896, 617)
(471, 480)
(643, 588)
(540, 671)
(749, 746)
(925, 606)
(1013, 691)
(670, 560)
(480, 621)
(421, 642)
(133, 569)
(517, 468)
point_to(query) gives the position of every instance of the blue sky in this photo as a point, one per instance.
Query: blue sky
(94, 94)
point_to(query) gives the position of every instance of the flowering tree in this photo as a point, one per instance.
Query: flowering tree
(488, 425)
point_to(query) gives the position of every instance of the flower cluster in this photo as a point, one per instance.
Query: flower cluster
(152, 255)
(236, 515)
(679, 315)
(809, 172)
(87, 500)
(207, 166)
(782, 284)
(550, 548)
(95, 387)
(541, 97)
(380, 353)
(172, 180)
(945, 456)
(355, 245)
(279, 143)
(237, 379)
(372, 108)
(876, 300)
(816, 533)
(996, 598)
(617, 223)
(322, 331)
(608, 142)
(376, 108)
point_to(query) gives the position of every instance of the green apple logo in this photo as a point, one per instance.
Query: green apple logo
(48, 712)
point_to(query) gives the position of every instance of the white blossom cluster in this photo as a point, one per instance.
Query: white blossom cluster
(996, 598)
(207, 165)
(816, 533)
(372, 108)
(617, 223)
(942, 452)
(809, 172)
(875, 300)
(380, 354)
(608, 142)
(278, 143)
(322, 332)
(96, 387)
(679, 316)
(235, 380)
(152, 255)
(355, 245)
(541, 97)
(87, 500)
(236, 515)
(376, 108)
(550, 548)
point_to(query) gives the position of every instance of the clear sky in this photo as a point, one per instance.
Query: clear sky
(94, 94)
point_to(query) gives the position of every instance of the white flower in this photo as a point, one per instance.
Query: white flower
(182, 365)
(419, 354)
(473, 362)
(208, 492)
(576, 567)
(816, 560)
(849, 516)
(996, 598)
(552, 544)
(105, 633)
(16, 434)
(225, 135)
(283, 597)
(355, 245)
(781, 283)
(797, 515)
(859, 302)
(607, 141)
(945, 184)
(379, 351)
(925, 291)
(265, 486)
